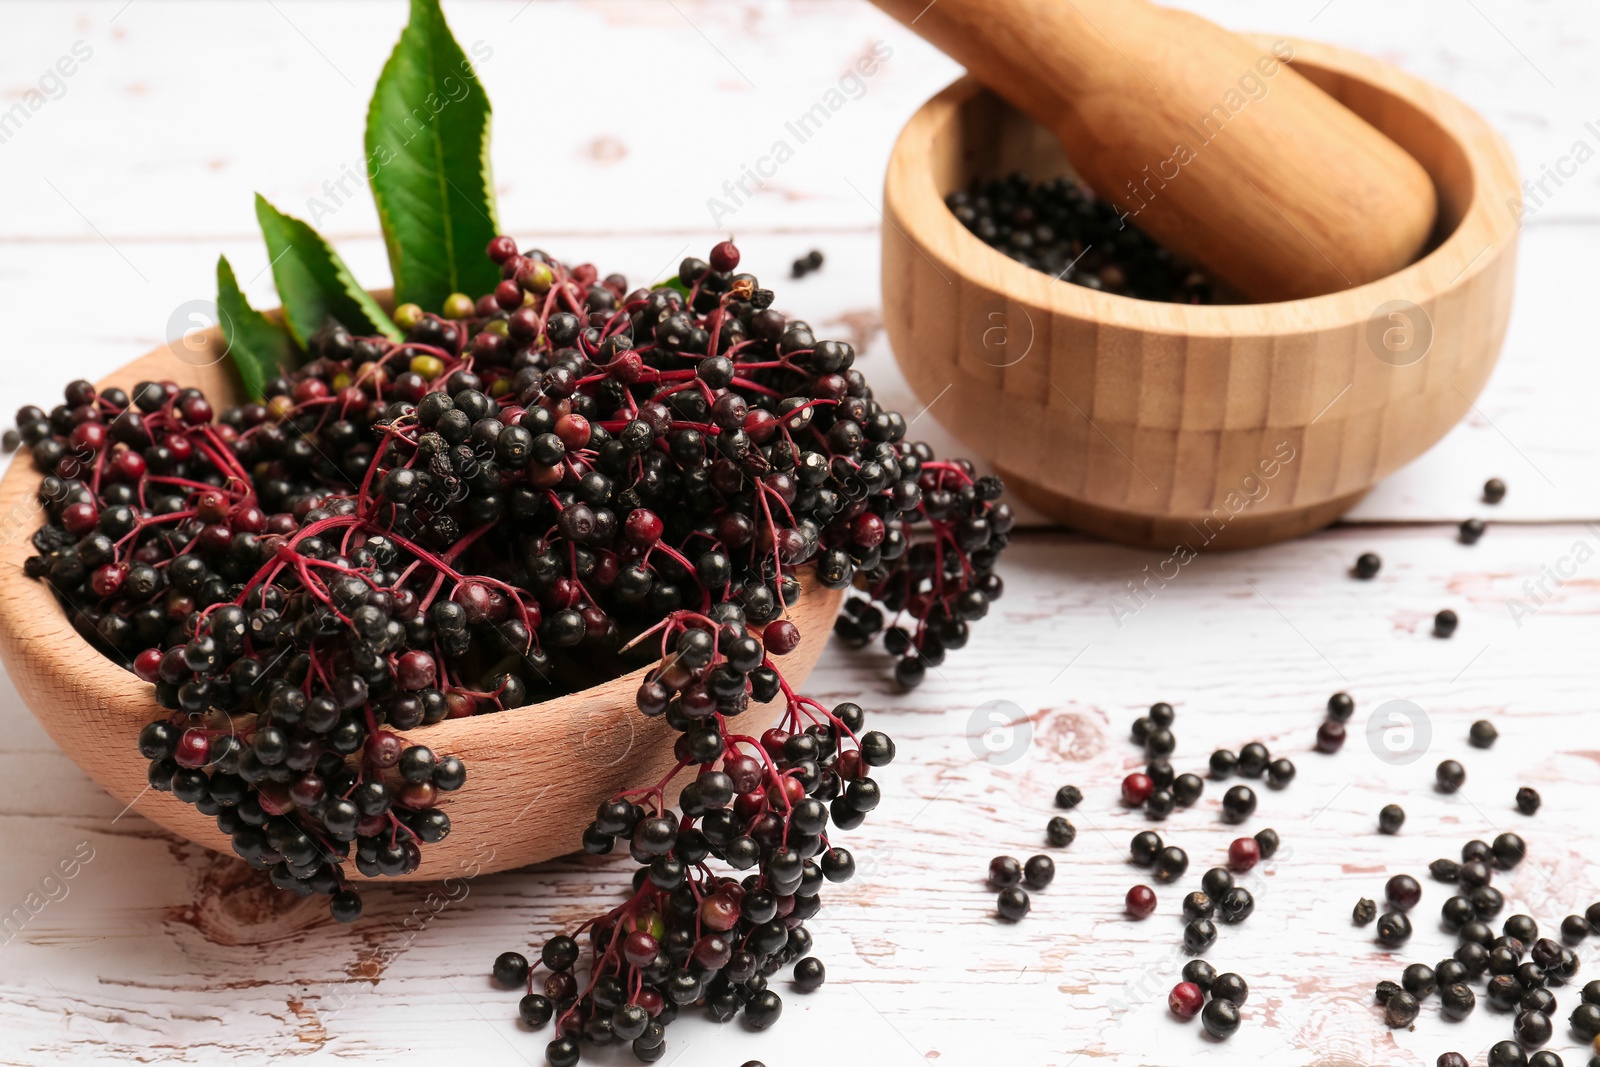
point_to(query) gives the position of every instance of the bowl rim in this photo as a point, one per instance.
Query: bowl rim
(912, 189)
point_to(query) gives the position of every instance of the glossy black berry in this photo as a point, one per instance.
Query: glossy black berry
(1145, 847)
(1280, 772)
(1039, 872)
(1267, 842)
(1220, 1018)
(1390, 818)
(1482, 734)
(1216, 881)
(1223, 763)
(1004, 871)
(1186, 789)
(1449, 776)
(1494, 491)
(1394, 929)
(1470, 531)
(1418, 979)
(1528, 800)
(1367, 565)
(1507, 1054)
(1403, 892)
(1200, 973)
(1013, 904)
(1341, 706)
(1253, 760)
(1457, 1000)
(809, 974)
(1199, 935)
(1170, 864)
(1238, 803)
(1231, 987)
(1068, 797)
(1509, 850)
(1445, 623)
(511, 969)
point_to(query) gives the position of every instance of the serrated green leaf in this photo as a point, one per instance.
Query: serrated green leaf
(313, 281)
(428, 160)
(259, 347)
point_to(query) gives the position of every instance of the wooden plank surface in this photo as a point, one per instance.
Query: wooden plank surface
(158, 949)
(121, 192)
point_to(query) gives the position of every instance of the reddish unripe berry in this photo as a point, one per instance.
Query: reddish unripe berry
(79, 518)
(640, 949)
(724, 256)
(868, 530)
(147, 665)
(275, 800)
(383, 749)
(650, 1000)
(181, 447)
(419, 795)
(745, 772)
(781, 637)
(1141, 901)
(127, 465)
(415, 670)
(508, 294)
(197, 411)
(1136, 789)
(460, 705)
(193, 748)
(211, 506)
(1186, 1000)
(573, 430)
(307, 789)
(718, 912)
(247, 518)
(309, 389)
(1243, 854)
(107, 580)
(1330, 736)
(88, 437)
(501, 248)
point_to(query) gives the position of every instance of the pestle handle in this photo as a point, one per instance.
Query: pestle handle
(1217, 149)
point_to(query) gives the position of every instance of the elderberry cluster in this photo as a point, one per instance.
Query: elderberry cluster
(540, 490)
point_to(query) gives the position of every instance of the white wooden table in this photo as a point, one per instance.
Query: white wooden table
(120, 191)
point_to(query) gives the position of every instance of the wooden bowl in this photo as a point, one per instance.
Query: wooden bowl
(1167, 425)
(534, 774)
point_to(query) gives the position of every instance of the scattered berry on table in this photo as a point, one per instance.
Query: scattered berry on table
(1470, 531)
(1494, 491)
(1341, 706)
(1390, 818)
(1528, 800)
(1450, 776)
(1365, 911)
(1141, 901)
(1186, 1000)
(1367, 565)
(1482, 734)
(1445, 623)
(1013, 904)
(1068, 797)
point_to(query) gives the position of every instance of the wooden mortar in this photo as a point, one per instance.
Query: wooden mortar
(1160, 424)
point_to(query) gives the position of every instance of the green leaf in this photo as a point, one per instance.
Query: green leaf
(313, 281)
(259, 347)
(428, 159)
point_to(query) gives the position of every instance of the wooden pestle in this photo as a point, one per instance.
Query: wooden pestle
(1214, 147)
